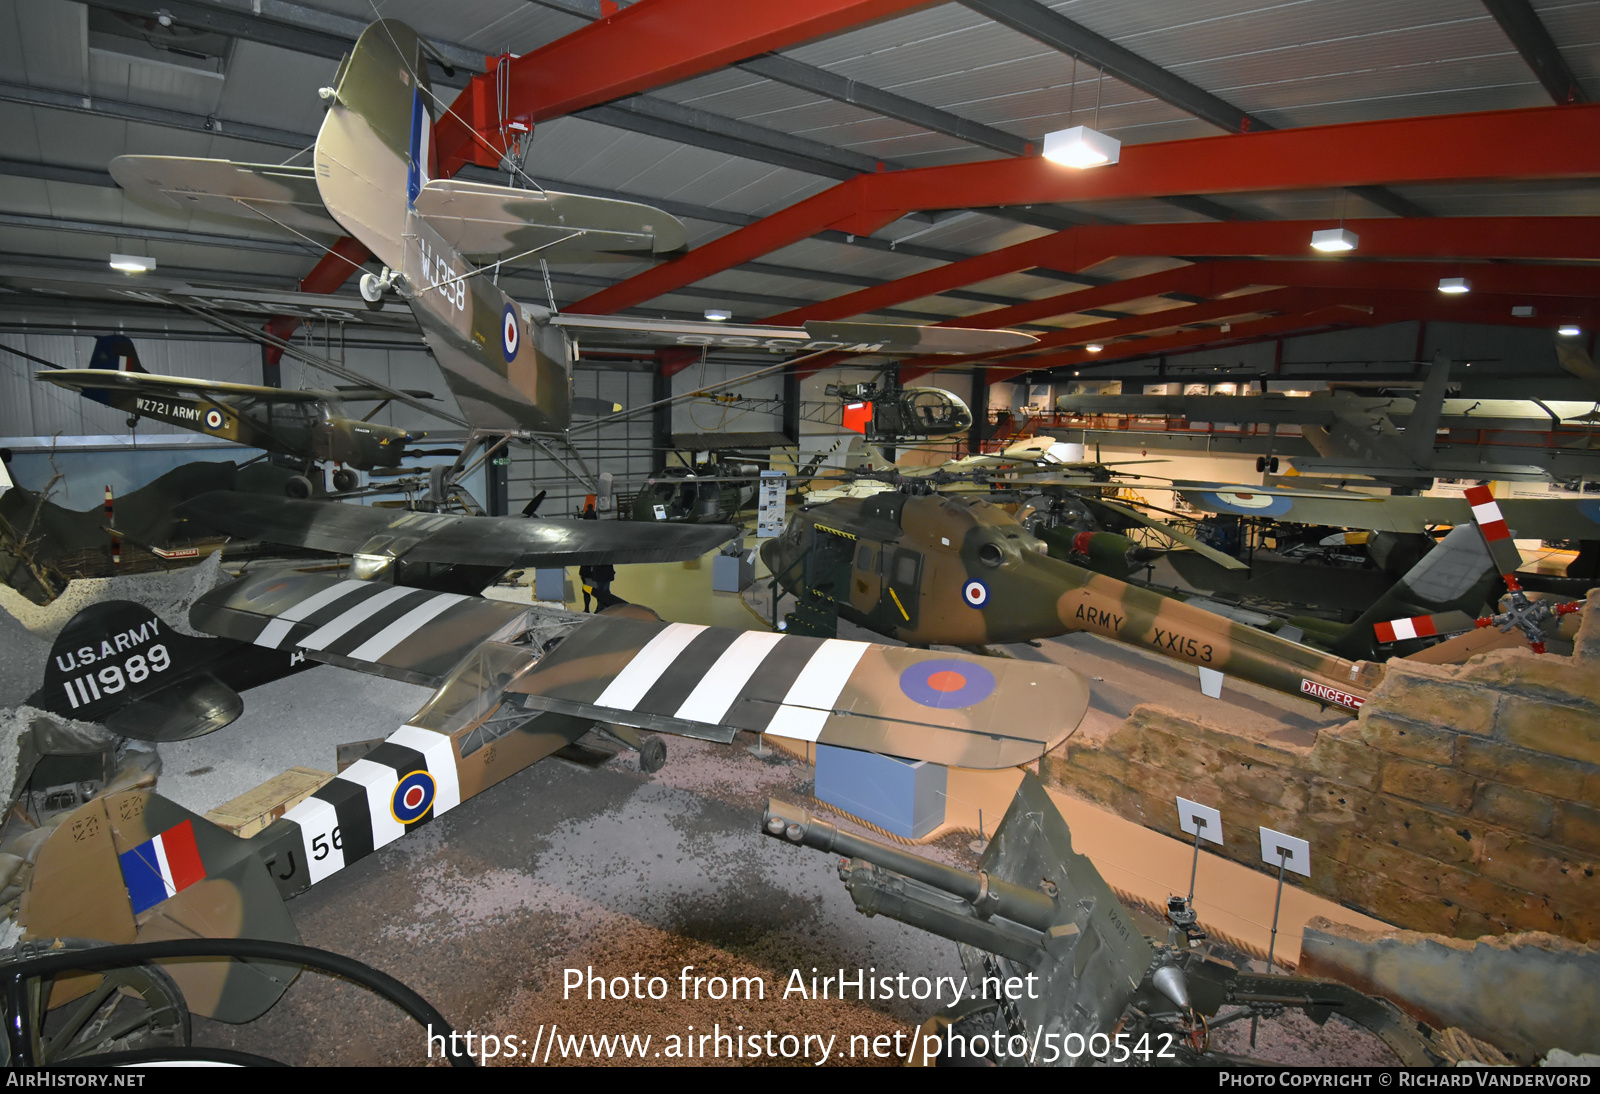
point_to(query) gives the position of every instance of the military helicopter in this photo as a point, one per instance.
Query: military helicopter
(310, 427)
(711, 493)
(930, 569)
(887, 413)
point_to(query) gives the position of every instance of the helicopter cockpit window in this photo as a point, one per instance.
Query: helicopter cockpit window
(905, 571)
(864, 558)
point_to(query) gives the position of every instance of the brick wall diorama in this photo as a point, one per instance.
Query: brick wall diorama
(1465, 800)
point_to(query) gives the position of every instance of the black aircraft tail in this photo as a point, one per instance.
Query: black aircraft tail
(1449, 587)
(114, 353)
(119, 664)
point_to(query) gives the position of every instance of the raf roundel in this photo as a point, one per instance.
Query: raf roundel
(947, 684)
(1247, 502)
(214, 418)
(975, 593)
(413, 797)
(510, 332)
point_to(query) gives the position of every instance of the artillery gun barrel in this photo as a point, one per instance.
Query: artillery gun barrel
(988, 896)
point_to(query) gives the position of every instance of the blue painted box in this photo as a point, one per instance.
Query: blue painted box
(899, 796)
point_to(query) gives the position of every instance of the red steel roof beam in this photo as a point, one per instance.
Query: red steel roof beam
(1545, 142)
(1076, 249)
(645, 45)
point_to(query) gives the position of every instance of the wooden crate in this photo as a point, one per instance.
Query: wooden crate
(253, 810)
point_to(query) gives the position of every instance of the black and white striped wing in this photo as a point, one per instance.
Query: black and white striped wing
(953, 709)
(390, 630)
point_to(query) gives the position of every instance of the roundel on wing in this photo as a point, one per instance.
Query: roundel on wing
(1248, 502)
(510, 332)
(215, 419)
(947, 684)
(413, 797)
(975, 593)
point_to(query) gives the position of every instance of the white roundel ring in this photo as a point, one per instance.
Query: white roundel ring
(510, 332)
(214, 419)
(975, 593)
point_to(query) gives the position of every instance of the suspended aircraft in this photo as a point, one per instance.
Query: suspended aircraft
(1353, 434)
(310, 427)
(886, 413)
(509, 364)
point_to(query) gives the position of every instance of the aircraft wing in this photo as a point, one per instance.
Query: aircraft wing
(145, 383)
(248, 191)
(1328, 465)
(626, 669)
(482, 220)
(485, 221)
(675, 677)
(1530, 518)
(884, 338)
(1265, 409)
(451, 538)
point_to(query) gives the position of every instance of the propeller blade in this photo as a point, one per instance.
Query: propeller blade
(532, 508)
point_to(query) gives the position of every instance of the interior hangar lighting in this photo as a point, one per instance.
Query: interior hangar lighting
(1081, 146)
(1569, 330)
(1094, 347)
(133, 263)
(1455, 285)
(717, 315)
(1334, 239)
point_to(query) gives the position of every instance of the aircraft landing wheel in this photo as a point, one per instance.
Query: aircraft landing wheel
(371, 292)
(345, 478)
(1272, 465)
(297, 486)
(131, 1008)
(1261, 464)
(652, 754)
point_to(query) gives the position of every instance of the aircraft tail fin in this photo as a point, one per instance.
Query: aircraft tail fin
(1423, 426)
(133, 866)
(116, 352)
(1449, 587)
(119, 663)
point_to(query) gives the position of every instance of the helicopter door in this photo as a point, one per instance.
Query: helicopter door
(866, 584)
(828, 565)
(903, 569)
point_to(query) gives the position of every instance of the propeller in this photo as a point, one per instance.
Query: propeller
(532, 508)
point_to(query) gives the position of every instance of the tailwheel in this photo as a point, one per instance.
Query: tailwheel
(120, 1010)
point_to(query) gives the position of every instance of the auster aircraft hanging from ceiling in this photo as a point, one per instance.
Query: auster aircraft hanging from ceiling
(508, 364)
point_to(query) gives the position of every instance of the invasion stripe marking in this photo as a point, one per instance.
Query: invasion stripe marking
(806, 708)
(647, 666)
(397, 632)
(317, 819)
(349, 801)
(377, 621)
(759, 700)
(441, 756)
(378, 783)
(715, 693)
(278, 629)
(322, 636)
(670, 692)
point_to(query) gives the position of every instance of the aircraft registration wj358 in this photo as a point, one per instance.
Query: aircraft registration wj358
(508, 364)
(513, 683)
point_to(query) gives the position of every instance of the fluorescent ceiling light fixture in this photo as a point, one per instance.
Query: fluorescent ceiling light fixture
(1094, 347)
(717, 315)
(1334, 239)
(1569, 330)
(132, 263)
(1454, 285)
(1081, 146)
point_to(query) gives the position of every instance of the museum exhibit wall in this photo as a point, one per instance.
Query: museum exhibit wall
(1461, 801)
